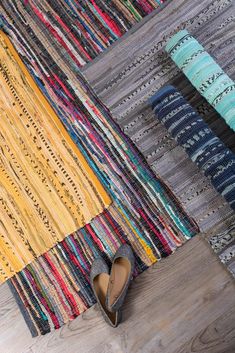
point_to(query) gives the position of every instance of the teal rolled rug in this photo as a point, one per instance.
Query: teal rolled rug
(204, 73)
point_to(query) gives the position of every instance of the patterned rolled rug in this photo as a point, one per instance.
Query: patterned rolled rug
(55, 287)
(207, 151)
(194, 135)
(204, 73)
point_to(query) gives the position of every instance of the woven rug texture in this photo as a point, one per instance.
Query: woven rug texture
(123, 79)
(55, 288)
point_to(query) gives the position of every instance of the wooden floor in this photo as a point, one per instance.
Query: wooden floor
(182, 304)
(185, 303)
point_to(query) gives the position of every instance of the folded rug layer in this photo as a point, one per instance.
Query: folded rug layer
(48, 190)
(204, 73)
(194, 135)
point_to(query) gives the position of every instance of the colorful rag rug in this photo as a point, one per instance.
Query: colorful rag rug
(84, 28)
(56, 288)
(47, 189)
(144, 211)
(191, 132)
(204, 73)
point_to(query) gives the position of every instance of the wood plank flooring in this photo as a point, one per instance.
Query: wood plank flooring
(182, 304)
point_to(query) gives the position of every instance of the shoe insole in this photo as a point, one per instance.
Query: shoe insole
(101, 286)
(119, 276)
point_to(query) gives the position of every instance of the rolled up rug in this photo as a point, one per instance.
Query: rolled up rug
(194, 135)
(204, 73)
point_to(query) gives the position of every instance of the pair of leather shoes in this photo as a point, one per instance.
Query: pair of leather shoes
(110, 287)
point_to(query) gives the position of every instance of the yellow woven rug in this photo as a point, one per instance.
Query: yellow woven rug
(47, 189)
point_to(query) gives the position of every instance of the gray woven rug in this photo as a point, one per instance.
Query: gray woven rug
(223, 244)
(125, 77)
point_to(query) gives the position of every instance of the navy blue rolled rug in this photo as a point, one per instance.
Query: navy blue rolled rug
(194, 135)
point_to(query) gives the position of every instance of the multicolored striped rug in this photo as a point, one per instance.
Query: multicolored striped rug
(83, 28)
(55, 288)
